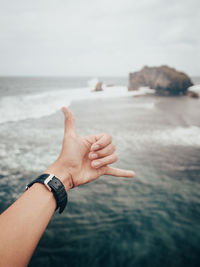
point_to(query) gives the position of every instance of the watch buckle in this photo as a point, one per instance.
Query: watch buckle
(47, 180)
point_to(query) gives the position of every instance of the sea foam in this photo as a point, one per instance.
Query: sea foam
(195, 88)
(176, 136)
(187, 136)
(21, 107)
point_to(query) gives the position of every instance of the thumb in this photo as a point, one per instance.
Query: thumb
(70, 124)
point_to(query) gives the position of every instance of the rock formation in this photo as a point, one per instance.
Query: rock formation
(165, 80)
(98, 87)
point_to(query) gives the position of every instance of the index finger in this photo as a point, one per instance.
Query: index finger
(103, 140)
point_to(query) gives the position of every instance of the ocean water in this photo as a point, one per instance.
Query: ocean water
(151, 220)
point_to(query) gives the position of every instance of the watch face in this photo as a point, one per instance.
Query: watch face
(55, 183)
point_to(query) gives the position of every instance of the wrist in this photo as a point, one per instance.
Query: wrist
(62, 173)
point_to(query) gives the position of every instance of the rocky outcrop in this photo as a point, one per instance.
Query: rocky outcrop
(98, 87)
(165, 80)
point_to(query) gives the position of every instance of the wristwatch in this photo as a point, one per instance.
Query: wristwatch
(55, 186)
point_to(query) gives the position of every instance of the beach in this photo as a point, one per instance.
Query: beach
(153, 219)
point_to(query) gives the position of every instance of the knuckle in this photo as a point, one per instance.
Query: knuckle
(101, 162)
(110, 149)
(108, 136)
(72, 135)
(66, 120)
(113, 147)
(116, 156)
(107, 150)
(72, 119)
(98, 153)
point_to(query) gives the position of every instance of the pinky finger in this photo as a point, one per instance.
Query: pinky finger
(119, 172)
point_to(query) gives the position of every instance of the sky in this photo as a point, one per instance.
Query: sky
(98, 38)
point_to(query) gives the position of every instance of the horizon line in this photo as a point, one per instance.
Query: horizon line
(63, 76)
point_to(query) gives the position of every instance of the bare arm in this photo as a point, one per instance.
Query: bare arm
(23, 223)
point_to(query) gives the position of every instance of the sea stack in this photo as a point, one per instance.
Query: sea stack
(165, 80)
(98, 87)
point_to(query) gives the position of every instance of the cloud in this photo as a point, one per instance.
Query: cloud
(93, 37)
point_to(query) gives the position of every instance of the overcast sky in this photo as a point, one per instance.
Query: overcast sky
(93, 38)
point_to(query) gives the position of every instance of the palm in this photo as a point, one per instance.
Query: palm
(77, 149)
(86, 172)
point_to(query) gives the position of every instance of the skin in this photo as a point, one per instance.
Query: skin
(82, 160)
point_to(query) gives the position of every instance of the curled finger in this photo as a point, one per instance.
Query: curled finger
(103, 141)
(104, 161)
(106, 151)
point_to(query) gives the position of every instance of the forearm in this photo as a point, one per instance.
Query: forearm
(24, 222)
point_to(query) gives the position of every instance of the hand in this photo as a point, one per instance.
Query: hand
(84, 159)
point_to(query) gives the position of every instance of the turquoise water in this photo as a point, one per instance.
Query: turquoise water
(152, 220)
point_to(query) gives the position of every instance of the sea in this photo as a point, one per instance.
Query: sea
(150, 220)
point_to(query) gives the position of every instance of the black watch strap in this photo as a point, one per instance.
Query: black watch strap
(55, 186)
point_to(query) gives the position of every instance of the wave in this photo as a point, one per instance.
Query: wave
(195, 88)
(182, 136)
(21, 107)
(178, 136)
